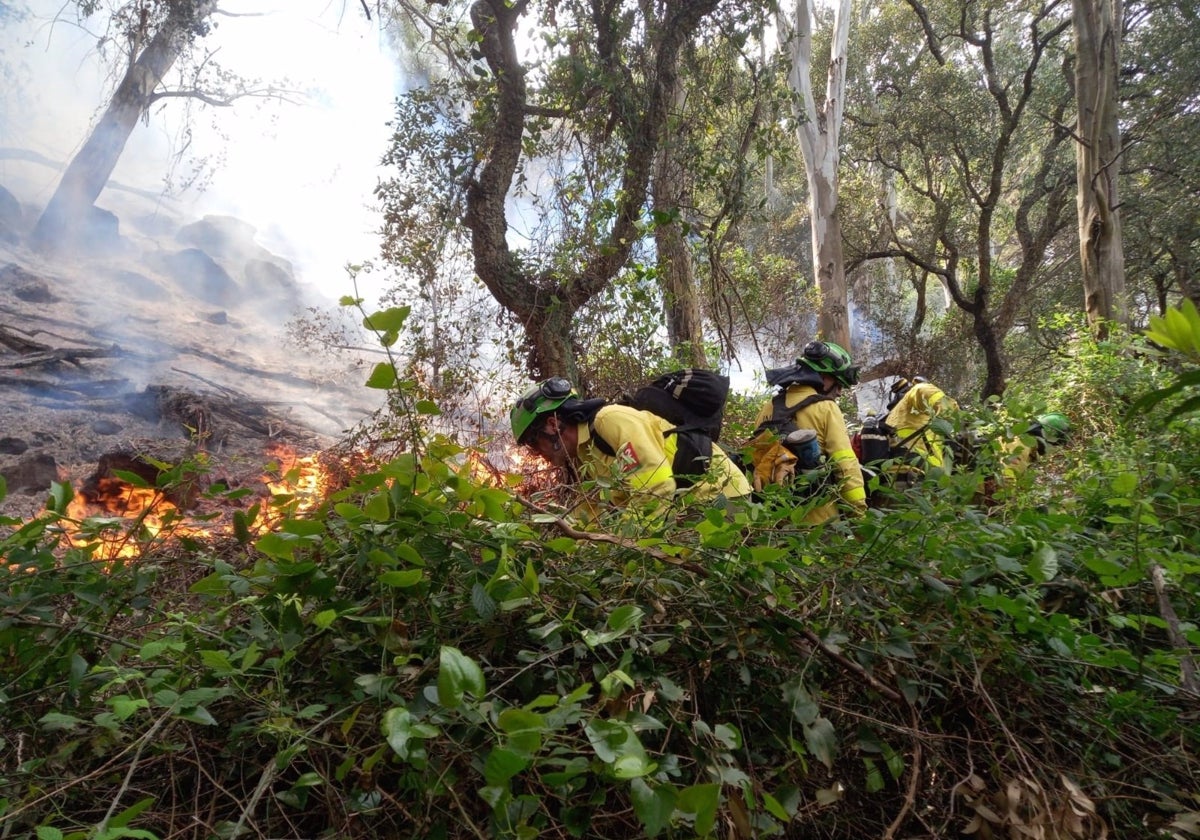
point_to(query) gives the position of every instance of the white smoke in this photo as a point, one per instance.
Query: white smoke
(302, 172)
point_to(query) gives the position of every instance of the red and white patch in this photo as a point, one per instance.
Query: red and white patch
(627, 458)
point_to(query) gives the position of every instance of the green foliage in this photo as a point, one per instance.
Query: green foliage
(1179, 330)
(422, 656)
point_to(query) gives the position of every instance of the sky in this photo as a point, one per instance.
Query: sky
(301, 172)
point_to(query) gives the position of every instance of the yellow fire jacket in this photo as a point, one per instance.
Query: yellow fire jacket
(641, 461)
(911, 416)
(825, 418)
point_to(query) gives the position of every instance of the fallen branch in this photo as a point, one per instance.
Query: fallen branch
(55, 355)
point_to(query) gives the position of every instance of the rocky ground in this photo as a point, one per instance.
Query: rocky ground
(158, 338)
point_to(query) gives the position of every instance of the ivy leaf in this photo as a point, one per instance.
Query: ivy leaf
(457, 674)
(382, 377)
(652, 805)
(1044, 565)
(822, 741)
(501, 765)
(702, 801)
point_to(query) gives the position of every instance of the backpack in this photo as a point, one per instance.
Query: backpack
(693, 399)
(871, 442)
(783, 453)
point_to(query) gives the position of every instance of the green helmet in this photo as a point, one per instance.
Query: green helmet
(1055, 427)
(827, 357)
(538, 400)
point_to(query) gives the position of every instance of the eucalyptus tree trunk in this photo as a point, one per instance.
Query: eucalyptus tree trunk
(677, 276)
(819, 130)
(88, 172)
(1097, 158)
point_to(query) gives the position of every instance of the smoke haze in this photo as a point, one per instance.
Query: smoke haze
(300, 171)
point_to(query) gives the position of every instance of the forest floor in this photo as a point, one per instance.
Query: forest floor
(165, 340)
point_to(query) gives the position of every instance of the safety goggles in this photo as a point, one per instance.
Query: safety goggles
(817, 351)
(554, 388)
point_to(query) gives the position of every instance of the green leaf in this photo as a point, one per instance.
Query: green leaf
(124, 706)
(775, 807)
(530, 578)
(767, 554)
(324, 619)
(60, 497)
(382, 377)
(1044, 565)
(387, 320)
(619, 622)
(400, 727)
(513, 721)
(52, 721)
(702, 801)
(47, 832)
(729, 736)
(199, 715)
(403, 578)
(378, 507)
(1103, 566)
(821, 740)
(122, 819)
(501, 765)
(457, 674)
(275, 546)
(1125, 483)
(652, 805)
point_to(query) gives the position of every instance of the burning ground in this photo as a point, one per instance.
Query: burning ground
(158, 342)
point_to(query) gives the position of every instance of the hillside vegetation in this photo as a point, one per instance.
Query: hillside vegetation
(432, 655)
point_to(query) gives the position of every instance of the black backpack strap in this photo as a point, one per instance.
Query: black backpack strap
(601, 444)
(783, 418)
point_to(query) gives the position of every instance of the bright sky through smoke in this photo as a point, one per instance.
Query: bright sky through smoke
(301, 172)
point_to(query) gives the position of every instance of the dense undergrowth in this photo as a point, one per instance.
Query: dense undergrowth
(428, 656)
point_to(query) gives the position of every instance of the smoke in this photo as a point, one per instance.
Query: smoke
(296, 173)
(300, 168)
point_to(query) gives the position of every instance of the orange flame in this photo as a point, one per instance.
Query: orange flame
(115, 519)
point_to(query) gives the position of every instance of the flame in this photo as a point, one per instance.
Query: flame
(115, 519)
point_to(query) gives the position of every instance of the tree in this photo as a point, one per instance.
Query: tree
(633, 109)
(984, 198)
(1098, 149)
(155, 36)
(818, 130)
(1160, 161)
(670, 195)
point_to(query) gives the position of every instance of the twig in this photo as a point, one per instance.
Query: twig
(142, 741)
(62, 354)
(1187, 665)
(612, 539)
(910, 795)
(268, 776)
